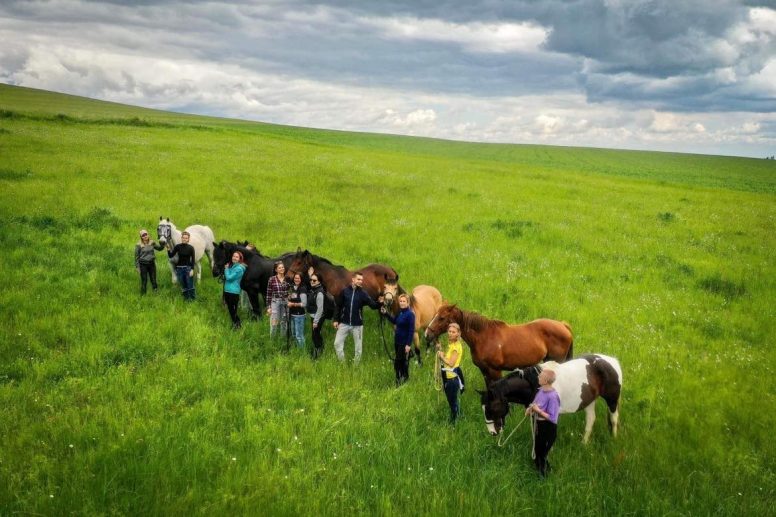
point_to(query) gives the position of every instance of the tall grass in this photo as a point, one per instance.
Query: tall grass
(116, 403)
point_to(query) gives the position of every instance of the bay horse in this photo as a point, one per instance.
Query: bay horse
(425, 300)
(579, 382)
(498, 346)
(200, 237)
(257, 274)
(336, 278)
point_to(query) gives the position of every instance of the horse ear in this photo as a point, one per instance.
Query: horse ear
(168, 219)
(160, 217)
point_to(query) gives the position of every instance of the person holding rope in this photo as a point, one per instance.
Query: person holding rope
(402, 338)
(277, 301)
(451, 369)
(185, 268)
(349, 319)
(145, 261)
(545, 408)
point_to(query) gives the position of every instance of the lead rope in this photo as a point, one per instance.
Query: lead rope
(503, 442)
(437, 379)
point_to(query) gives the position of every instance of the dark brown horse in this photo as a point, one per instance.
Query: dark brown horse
(336, 278)
(498, 346)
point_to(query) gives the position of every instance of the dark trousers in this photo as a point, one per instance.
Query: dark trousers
(186, 281)
(147, 270)
(546, 432)
(401, 365)
(232, 301)
(317, 339)
(452, 387)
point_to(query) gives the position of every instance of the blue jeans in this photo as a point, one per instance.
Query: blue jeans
(186, 282)
(298, 321)
(452, 387)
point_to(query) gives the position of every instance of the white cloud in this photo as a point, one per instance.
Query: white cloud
(473, 37)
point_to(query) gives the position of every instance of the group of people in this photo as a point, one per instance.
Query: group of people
(294, 302)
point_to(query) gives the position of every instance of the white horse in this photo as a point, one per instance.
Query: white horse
(201, 238)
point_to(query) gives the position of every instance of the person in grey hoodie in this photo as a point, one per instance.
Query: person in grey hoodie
(145, 261)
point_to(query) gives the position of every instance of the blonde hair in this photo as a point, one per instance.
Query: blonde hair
(403, 295)
(549, 375)
(456, 325)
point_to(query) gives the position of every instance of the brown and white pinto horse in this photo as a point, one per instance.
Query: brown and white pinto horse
(579, 382)
(336, 278)
(425, 300)
(498, 346)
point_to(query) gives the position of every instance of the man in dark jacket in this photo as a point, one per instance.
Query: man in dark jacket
(349, 319)
(185, 268)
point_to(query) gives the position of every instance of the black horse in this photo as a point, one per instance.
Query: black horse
(260, 269)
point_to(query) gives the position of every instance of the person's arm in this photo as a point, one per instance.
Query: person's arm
(171, 252)
(269, 294)
(157, 246)
(319, 301)
(339, 306)
(303, 298)
(374, 304)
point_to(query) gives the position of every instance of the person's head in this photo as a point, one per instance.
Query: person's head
(358, 280)
(546, 378)
(404, 301)
(297, 278)
(280, 268)
(314, 281)
(144, 235)
(237, 257)
(185, 236)
(454, 331)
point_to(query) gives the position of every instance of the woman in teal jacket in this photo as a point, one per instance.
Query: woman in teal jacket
(232, 277)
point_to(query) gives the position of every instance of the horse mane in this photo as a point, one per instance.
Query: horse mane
(477, 322)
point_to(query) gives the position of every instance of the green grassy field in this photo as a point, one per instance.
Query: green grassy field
(117, 404)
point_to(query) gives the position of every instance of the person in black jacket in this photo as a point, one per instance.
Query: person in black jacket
(349, 319)
(185, 268)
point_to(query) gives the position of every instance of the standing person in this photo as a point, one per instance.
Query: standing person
(233, 274)
(297, 301)
(185, 268)
(349, 319)
(545, 408)
(451, 371)
(402, 338)
(145, 261)
(277, 298)
(316, 300)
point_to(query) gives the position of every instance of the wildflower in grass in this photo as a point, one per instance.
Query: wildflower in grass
(234, 459)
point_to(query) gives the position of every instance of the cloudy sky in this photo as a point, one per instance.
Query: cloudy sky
(674, 75)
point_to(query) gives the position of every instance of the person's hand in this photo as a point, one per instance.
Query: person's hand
(269, 310)
(191, 273)
(528, 411)
(438, 346)
(315, 325)
(382, 309)
(407, 349)
(335, 324)
(380, 298)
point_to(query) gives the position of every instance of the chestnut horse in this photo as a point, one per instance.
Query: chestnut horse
(336, 278)
(498, 346)
(424, 302)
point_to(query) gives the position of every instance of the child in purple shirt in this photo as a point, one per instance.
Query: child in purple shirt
(546, 407)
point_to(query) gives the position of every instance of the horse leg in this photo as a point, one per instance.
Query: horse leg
(253, 297)
(589, 421)
(172, 272)
(198, 269)
(416, 343)
(614, 419)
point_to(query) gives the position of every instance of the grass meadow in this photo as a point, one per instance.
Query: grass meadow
(116, 404)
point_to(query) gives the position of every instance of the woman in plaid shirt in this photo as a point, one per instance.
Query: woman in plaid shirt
(277, 300)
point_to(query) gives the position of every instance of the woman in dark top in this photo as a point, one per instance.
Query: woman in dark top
(297, 301)
(185, 268)
(403, 336)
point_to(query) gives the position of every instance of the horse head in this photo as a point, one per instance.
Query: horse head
(495, 407)
(391, 291)
(221, 256)
(301, 263)
(164, 230)
(444, 316)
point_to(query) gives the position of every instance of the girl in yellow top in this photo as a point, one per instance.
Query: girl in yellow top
(451, 360)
